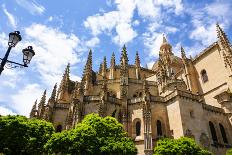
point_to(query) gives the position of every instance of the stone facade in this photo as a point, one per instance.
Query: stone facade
(177, 97)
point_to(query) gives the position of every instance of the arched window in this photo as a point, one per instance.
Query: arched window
(204, 76)
(59, 128)
(213, 132)
(159, 128)
(223, 133)
(138, 128)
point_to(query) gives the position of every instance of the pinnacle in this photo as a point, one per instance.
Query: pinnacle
(183, 55)
(137, 59)
(164, 39)
(112, 61)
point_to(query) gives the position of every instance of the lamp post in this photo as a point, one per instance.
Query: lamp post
(28, 53)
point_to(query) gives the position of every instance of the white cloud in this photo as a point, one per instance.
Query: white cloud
(152, 42)
(120, 20)
(92, 42)
(5, 111)
(125, 34)
(10, 17)
(176, 4)
(206, 35)
(54, 49)
(24, 99)
(32, 6)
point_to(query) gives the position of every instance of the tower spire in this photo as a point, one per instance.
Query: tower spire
(124, 62)
(183, 55)
(164, 39)
(226, 46)
(104, 67)
(53, 95)
(137, 59)
(112, 61)
(88, 66)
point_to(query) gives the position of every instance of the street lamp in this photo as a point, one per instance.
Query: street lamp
(28, 53)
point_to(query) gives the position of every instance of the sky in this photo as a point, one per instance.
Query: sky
(63, 31)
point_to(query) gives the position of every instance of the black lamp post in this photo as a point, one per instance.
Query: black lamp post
(28, 53)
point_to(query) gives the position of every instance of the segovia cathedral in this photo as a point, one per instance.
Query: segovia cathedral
(178, 97)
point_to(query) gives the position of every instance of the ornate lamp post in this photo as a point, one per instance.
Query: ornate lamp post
(28, 53)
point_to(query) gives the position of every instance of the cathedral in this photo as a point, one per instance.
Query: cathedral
(178, 96)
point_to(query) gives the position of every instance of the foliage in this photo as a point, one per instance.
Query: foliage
(180, 146)
(93, 136)
(229, 152)
(20, 135)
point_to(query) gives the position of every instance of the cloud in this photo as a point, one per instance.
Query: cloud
(54, 49)
(92, 42)
(5, 111)
(10, 17)
(23, 100)
(32, 6)
(120, 20)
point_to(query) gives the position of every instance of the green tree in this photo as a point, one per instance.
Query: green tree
(93, 136)
(180, 146)
(229, 152)
(20, 135)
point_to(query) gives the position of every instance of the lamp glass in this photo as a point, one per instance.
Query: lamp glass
(28, 53)
(14, 38)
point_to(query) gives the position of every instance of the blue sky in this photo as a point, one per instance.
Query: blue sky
(64, 31)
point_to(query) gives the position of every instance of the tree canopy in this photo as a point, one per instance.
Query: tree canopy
(179, 146)
(229, 152)
(93, 136)
(20, 135)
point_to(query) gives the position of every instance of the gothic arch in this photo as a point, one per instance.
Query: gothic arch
(138, 93)
(137, 128)
(223, 133)
(213, 132)
(159, 128)
(204, 76)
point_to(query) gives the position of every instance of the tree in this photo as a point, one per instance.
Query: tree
(93, 136)
(180, 146)
(229, 152)
(20, 135)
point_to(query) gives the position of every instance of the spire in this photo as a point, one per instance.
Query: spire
(41, 105)
(112, 61)
(100, 68)
(53, 95)
(222, 36)
(224, 42)
(33, 110)
(183, 55)
(164, 39)
(124, 58)
(88, 66)
(104, 67)
(137, 60)
(124, 62)
(65, 79)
